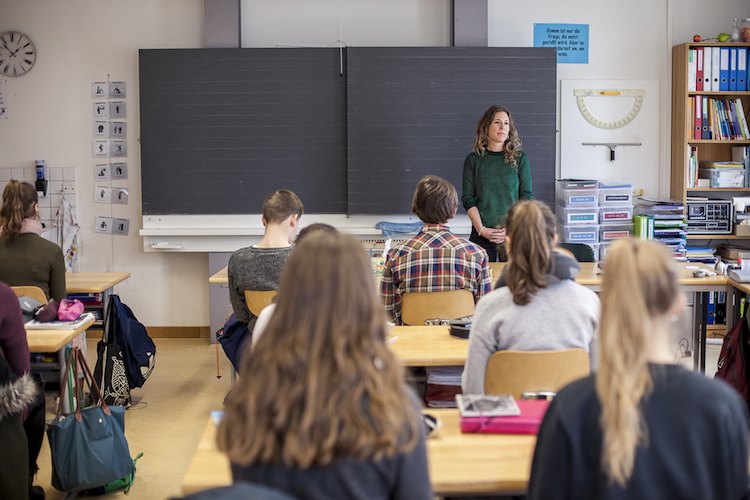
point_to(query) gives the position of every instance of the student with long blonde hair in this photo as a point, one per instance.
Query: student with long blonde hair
(322, 410)
(536, 305)
(641, 427)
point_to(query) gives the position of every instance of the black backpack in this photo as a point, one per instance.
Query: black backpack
(138, 349)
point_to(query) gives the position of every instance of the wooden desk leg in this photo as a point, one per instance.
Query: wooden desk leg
(704, 320)
(61, 360)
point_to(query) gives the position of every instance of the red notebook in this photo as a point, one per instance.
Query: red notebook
(527, 422)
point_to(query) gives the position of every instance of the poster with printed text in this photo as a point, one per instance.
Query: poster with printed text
(102, 172)
(101, 149)
(117, 109)
(99, 90)
(101, 110)
(101, 128)
(118, 130)
(120, 196)
(117, 90)
(119, 170)
(121, 226)
(118, 149)
(102, 194)
(103, 225)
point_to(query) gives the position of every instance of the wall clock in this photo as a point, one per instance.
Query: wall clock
(17, 53)
(581, 95)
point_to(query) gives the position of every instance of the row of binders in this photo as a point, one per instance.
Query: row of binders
(717, 69)
(717, 119)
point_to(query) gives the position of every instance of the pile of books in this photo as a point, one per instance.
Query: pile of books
(662, 221)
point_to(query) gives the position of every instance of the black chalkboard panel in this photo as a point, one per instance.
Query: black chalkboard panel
(413, 111)
(222, 128)
(349, 131)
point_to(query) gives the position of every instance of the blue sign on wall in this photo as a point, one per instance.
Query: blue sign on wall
(571, 41)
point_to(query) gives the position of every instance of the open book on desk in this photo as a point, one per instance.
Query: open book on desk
(59, 325)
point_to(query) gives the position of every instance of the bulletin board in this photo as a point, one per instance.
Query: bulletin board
(615, 112)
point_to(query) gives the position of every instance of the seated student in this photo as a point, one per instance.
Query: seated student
(641, 427)
(27, 259)
(435, 260)
(259, 267)
(21, 405)
(326, 413)
(265, 315)
(536, 305)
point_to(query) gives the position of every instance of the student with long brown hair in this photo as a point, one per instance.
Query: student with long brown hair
(27, 259)
(324, 411)
(536, 305)
(641, 427)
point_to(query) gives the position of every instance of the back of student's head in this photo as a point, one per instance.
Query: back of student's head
(19, 199)
(639, 286)
(280, 205)
(314, 228)
(530, 231)
(435, 200)
(324, 385)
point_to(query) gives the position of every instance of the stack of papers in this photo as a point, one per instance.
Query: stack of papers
(59, 325)
(669, 226)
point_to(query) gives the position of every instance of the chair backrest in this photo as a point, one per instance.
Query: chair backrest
(516, 372)
(417, 307)
(34, 292)
(581, 251)
(256, 300)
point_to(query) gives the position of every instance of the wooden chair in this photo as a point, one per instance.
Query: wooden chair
(417, 307)
(30, 291)
(256, 300)
(516, 372)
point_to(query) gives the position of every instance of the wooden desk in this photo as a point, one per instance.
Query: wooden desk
(94, 283)
(220, 277)
(458, 463)
(428, 346)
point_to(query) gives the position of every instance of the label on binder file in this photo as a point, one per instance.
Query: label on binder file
(613, 235)
(611, 198)
(615, 215)
(580, 200)
(583, 236)
(590, 217)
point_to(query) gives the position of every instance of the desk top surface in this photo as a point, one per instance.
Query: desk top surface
(458, 463)
(92, 282)
(427, 346)
(52, 340)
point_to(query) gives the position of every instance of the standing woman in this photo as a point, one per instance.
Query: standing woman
(641, 427)
(496, 175)
(27, 259)
(326, 412)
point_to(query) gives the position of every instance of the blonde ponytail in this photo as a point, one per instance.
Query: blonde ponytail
(530, 228)
(19, 199)
(639, 284)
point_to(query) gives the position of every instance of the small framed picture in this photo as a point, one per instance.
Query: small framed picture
(117, 90)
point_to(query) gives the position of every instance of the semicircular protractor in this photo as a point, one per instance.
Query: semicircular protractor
(582, 94)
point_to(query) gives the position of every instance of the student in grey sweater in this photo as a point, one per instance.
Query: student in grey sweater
(259, 267)
(536, 305)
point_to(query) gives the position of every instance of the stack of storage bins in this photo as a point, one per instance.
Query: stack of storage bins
(615, 212)
(594, 212)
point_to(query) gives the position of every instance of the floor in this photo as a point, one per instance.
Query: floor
(168, 416)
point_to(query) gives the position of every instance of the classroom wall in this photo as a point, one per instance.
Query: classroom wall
(81, 41)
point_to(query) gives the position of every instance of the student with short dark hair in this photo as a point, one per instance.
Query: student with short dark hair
(536, 304)
(641, 427)
(258, 267)
(325, 412)
(435, 260)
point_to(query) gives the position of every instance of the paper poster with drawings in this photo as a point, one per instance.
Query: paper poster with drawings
(605, 119)
(101, 110)
(101, 129)
(4, 99)
(120, 196)
(118, 129)
(102, 172)
(99, 90)
(119, 170)
(117, 109)
(101, 149)
(102, 194)
(118, 148)
(103, 225)
(121, 226)
(117, 90)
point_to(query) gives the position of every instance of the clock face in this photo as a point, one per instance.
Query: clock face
(17, 54)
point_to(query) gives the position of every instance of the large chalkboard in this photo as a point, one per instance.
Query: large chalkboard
(350, 131)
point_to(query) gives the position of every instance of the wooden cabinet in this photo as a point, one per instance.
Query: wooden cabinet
(714, 150)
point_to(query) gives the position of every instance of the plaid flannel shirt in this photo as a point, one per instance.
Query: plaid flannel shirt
(435, 260)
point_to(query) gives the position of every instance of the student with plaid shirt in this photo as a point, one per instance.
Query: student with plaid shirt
(435, 260)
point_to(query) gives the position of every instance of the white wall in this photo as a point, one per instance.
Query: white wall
(81, 41)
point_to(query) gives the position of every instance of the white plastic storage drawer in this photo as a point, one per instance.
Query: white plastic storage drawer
(583, 233)
(609, 232)
(615, 196)
(616, 183)
(569, 215)
(608, 215)
(577, 184)
(577, 197)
